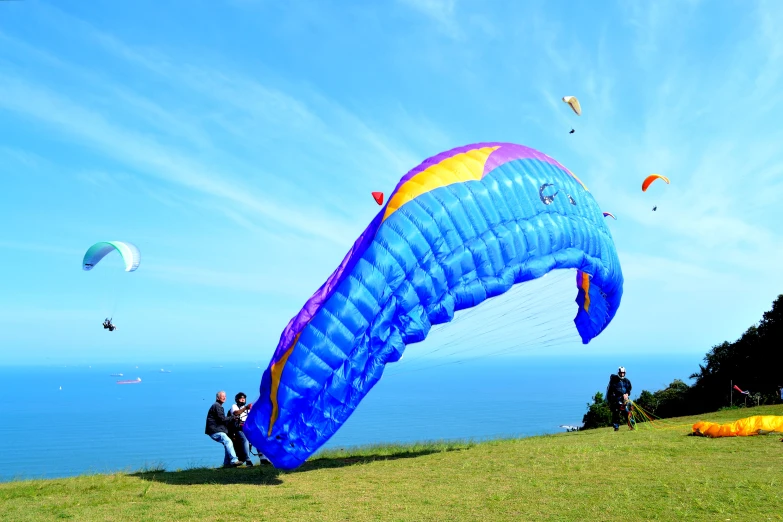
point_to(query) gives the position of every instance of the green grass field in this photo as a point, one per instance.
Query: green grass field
(653, 473)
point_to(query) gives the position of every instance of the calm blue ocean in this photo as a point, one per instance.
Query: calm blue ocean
(93, 424)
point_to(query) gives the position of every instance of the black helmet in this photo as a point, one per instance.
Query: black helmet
(238, 395)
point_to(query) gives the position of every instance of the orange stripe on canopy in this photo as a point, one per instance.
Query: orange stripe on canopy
(586, 288)
(277, 373)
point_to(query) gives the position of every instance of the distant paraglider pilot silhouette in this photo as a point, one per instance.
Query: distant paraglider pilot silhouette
(128, 252)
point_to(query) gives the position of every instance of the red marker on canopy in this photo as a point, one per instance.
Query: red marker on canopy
(378, 196)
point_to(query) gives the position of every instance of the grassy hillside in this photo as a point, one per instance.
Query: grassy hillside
(648, 474)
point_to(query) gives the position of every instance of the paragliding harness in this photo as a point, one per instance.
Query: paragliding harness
(107, 325)
(254, 451)
(626, 411)
(235, 427)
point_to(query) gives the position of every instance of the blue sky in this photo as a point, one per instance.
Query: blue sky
(237, 143)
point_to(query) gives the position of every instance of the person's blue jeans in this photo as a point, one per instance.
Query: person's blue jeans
(245, 443)
(231, 456)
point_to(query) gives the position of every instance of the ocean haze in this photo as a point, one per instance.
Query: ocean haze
(96, 425)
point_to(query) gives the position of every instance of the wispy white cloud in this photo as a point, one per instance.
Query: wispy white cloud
(265, 127)
(35, 313)
(767, 83)
(40, 247)
(680, 114)
(145, 155)
(664, 270)
(442, 12)
(25, 159)
(712, 249)
(549, 36)
(265, 282)
(211, 140)
(266, 118)
(105, 179)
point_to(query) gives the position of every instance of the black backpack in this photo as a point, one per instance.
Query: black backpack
(610, 397)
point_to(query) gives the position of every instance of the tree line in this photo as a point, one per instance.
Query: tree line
(751, 362)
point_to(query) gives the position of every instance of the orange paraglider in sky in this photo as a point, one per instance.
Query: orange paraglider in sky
(652, 177)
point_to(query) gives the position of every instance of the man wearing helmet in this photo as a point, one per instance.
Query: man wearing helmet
(239, 410)
(618, 393)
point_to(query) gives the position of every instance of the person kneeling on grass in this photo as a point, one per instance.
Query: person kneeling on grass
(217, 428)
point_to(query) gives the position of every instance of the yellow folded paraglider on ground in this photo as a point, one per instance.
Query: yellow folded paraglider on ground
(756, 425)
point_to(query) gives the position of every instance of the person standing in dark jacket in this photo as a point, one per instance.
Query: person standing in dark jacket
(618, 393)
(217, 428)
